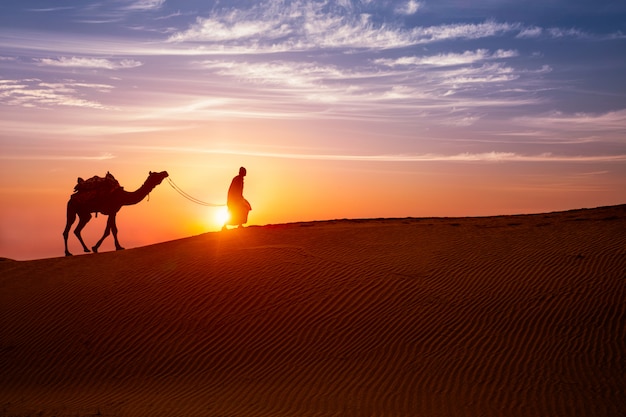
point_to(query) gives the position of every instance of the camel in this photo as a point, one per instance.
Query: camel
(107, 202)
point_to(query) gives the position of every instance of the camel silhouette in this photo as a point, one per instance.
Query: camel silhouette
(107, 201)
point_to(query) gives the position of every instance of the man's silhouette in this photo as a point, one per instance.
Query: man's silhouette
(238, 207)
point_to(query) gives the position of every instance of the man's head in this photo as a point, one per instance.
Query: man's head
(242, 171)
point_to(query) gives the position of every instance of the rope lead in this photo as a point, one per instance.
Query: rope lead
(190, 198)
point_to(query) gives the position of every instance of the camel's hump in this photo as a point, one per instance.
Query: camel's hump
(105, 184)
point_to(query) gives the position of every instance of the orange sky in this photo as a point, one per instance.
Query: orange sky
(34, 194)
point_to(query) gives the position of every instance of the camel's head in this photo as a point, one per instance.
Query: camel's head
(157, 177)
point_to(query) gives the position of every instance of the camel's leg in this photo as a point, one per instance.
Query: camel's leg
(83, 220)
(71, 217)
(114, 230)
(107, 231)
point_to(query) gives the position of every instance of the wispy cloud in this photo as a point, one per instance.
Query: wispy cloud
(572, 33)
(49, 9)
(490, 157)
(488, 73)
(609, 121)
(34, 93)
(144, 5)
(300, 25)
(436, 86)
(560, 33)
(54, 157)
(295, 74)
(449, 59)
(82, 62)
(530, 32)
(408, 8)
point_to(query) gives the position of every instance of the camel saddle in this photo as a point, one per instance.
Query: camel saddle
(96, 183)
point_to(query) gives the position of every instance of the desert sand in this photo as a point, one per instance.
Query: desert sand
(486, 316)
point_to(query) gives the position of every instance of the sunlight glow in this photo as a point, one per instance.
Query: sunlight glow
(220, 216)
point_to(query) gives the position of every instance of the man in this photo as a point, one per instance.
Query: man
(238, 207)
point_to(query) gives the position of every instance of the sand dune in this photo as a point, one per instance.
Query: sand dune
(494, 316)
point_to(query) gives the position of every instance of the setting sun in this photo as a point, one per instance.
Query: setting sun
(220, 216)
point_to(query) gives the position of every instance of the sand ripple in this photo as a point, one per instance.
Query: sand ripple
(499, 316)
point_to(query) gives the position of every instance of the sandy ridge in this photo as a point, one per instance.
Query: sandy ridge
(511, 315)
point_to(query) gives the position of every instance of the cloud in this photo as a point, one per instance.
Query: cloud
(445, 95)
(409, 8)
(487, 73)
(560, 33)
(311, 87)
(52, 157)
(301, 25)
(50, 9)
(34, 93)
(530, 32)
(450, 59)
(462, 31)
(502, 53)
(614, 120)
(484, 157)
(211, 30)
(266, 21)
(144, 5)
(299, 83)
(294, 74)
(78, 62)
(363, 33)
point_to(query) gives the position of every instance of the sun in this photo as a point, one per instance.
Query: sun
(221, 216)
(213, 219)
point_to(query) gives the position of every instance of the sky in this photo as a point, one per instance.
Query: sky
(337, 108)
